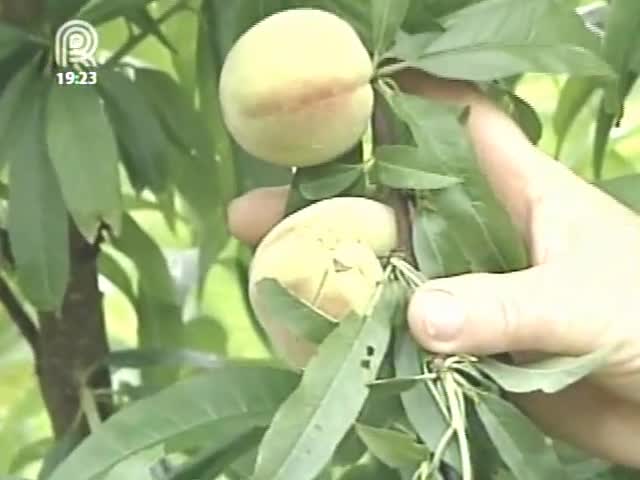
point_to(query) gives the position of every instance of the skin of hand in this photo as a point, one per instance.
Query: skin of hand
(581, 294)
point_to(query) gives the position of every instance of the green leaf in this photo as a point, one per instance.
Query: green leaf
(213, 461)
(604, 124)
(149, 260)
(395, 449)
(573, 97)
(419, 404)
(37, 219)
(173, 107)
(402, 166)
(497, 39)
(110, 268)
(621, 40)
(436, 250)
(522, 446)
(60, 451)
(620, 49)
(11, 103)
(625, 189)
(394, 385)
(386, 18)
(525, 116)
(143, 358)
(228, 393)
(219, 19)
(301, 440)
(102, 11)
(372, 469)
(84, 153)
(30, 453)
(11, 39)
(299, 317)
(329, 180)
(549, 376)
(411, 46)
(59, 11)
(149, 26)
(138, 130)
(157, 306)
(475, 218)
(138, 466)
(206, 334)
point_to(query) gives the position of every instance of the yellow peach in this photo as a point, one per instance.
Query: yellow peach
(294, 89)
(327, 256)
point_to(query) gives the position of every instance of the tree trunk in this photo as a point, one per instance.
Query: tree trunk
(73, 340)
(21, 12)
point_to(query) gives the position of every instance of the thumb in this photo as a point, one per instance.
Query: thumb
(494, 313)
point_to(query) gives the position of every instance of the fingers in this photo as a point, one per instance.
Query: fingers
(494, 313)
(251, 216)
(591, 419)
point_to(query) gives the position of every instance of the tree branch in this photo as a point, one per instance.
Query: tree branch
(19, 315)
(385, 135)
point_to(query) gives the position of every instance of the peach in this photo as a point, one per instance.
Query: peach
(294, 89)
(327, 256)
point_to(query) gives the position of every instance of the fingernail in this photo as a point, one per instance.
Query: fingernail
(439, 312)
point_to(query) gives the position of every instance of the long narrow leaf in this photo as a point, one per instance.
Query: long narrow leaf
(312, 421)
(231, 392)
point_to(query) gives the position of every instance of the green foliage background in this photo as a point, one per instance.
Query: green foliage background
(220, 320)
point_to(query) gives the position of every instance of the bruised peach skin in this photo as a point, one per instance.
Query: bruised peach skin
(327, 256)
(295, 89)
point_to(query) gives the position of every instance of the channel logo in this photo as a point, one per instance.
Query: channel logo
(76, 43)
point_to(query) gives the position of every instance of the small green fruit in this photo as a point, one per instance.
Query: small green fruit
(295, 89)
(327, 256)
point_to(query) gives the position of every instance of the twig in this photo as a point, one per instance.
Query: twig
(136, 40)
(383, 134)
(19, 315)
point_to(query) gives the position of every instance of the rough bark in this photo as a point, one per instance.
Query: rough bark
(73, 340)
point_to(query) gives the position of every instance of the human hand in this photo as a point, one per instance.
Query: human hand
(582, 293)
